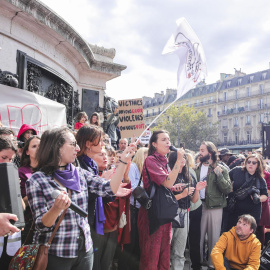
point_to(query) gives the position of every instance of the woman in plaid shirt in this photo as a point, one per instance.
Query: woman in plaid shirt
(71, 247)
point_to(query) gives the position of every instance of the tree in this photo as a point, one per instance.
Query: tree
(185, 125)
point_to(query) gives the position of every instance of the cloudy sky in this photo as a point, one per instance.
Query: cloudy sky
(234, 34)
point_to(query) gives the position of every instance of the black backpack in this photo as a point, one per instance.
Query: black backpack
(265, 258)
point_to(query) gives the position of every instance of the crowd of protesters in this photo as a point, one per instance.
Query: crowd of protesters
(98, 170)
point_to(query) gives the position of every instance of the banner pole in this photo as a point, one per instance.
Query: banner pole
(156, 119)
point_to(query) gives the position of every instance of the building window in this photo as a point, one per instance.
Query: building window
(236, 107)
(248, 91)
(236, 94)
(261, 103)
(224, 123)
(236, 137)
(248, 120)
(248, 137)
(225, 96)
(153, 112)
(261, 117)
(204, 100)
(225, 137)
(228, 84)
(239, 81)
(158, 110)
(261, 89)
(264, 76)
(251, 79)
(210, 112)
(248, 105)
(197, 102)
(211, 99)
(147, 113)
(236, 121)
(224, 109)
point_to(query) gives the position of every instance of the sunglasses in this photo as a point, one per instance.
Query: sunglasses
(253, 162)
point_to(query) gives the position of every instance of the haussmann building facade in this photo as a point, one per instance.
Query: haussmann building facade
(238, 102)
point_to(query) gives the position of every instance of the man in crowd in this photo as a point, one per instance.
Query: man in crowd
(238, 248)
(123, 143)
(112, 122)
(213, 197)
(224, 155)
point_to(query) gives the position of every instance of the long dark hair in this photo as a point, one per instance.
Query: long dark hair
(185, 169)
(98, 119)
(88, 133)
(154, 139)
(25, 159)
(48, 154)
(211, 148)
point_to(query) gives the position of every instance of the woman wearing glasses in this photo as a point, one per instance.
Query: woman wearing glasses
(72, 246)
(250, 177)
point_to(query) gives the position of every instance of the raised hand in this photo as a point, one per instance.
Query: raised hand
(122, 192)
(201, 185)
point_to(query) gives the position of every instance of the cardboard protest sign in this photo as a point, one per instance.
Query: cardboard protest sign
(131, 117)
(18, 107)
(146, 137)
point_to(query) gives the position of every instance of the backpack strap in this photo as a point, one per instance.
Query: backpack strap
(151, 184)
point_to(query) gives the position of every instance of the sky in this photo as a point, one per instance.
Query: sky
(233, 33)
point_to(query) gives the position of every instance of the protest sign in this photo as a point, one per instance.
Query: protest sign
(146, 137)
(18, 107)
(131, 117)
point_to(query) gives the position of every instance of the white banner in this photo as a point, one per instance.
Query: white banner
(192, 66)
(18, 107)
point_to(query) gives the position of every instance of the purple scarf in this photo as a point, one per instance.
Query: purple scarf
(100, 216)
(90, 163)
(69, 178)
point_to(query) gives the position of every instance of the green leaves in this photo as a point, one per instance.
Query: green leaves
(185, 125)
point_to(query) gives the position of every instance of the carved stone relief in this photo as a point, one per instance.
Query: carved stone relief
(8, 78)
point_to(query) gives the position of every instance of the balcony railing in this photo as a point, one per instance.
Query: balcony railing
(244, 142)
(244, 95)
(243, 109)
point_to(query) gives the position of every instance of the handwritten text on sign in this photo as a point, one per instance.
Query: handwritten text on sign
(18, 107)
(131, 117)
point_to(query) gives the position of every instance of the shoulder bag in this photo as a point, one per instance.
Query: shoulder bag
(164, 204)
(140, 195)
(34, 256)
(239, 194)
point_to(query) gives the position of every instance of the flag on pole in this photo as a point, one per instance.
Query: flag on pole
(192, 66)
